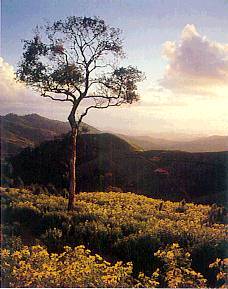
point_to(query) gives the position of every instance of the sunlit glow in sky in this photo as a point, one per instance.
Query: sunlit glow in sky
(182, 46)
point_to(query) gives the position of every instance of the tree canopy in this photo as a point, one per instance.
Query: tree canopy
(75, 60)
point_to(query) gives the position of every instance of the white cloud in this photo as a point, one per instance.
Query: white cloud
(13, 92)
(16, 97)
(196, 65)
(8, 85)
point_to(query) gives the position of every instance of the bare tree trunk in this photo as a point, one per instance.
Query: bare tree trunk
(72, 157)
(72, 173)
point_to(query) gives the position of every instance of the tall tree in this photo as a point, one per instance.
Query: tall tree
(75, 60)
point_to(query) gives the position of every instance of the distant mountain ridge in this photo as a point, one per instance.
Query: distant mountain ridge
(18, 132)
(204, 144)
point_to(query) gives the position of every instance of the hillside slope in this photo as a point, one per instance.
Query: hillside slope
(106, 160)
(204, 144)
(18, 132)
(120, 226)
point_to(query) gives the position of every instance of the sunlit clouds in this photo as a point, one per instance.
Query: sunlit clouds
(196, 65)
(190, 97)
(16, 98)
(11, 91)
(192, 94)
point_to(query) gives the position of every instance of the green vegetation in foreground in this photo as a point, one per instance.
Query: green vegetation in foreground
(122, 226)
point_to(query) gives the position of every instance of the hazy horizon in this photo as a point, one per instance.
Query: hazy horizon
(171, 135)
(181, 46)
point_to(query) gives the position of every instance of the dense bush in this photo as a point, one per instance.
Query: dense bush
(221, 270)
(177, 271)
(119, 225)
(35, 267)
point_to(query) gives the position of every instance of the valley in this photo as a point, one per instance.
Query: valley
(106, 160)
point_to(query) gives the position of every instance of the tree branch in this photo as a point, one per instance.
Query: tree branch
(57, 99)
(99, 106)
(102, 96)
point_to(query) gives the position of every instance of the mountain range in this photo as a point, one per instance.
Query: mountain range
(106, 160)
(37, 151)
(213, 143)
(18, 132)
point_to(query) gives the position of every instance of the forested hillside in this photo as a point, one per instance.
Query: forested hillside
(105, 160)
(18, 132)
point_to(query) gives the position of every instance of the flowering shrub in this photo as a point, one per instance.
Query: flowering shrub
(221, 267)
(123, 225)
(178, 272)
(76, 267)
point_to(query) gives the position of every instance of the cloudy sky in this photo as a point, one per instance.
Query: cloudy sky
(182, 46)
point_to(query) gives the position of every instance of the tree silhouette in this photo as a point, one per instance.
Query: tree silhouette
(75, 60)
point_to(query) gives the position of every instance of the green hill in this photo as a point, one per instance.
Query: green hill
(18, 132)
(105, 160)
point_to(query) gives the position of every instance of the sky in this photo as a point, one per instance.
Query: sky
(181, 46)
